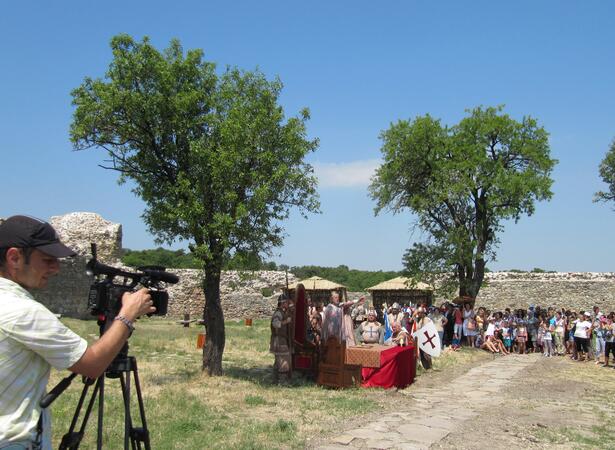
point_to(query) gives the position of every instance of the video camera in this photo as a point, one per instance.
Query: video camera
(105, 296)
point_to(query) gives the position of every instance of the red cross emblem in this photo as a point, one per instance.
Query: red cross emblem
(429, 339)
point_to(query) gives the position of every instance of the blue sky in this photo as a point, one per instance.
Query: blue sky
(358, 66)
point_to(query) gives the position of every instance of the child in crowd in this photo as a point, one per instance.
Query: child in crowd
(539, 337)
(456, 340)
(521, 337)
(506, 335)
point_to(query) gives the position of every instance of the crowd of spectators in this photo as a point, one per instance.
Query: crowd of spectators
(582, 335)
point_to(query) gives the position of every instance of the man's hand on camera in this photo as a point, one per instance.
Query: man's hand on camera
(99, 355)
(135, 304)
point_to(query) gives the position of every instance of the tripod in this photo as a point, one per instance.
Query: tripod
(122, 367)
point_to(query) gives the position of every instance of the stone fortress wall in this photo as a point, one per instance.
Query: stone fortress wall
(242, 293)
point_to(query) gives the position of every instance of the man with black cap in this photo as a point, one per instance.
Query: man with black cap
(32, 339)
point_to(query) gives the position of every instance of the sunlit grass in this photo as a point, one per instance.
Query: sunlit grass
(186, 409)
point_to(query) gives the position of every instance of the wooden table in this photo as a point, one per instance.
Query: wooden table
(367, 355)
(384, 366)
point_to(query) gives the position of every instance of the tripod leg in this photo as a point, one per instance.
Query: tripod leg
(71, 440)
(125, 382)
(101, 410)
(144, 430)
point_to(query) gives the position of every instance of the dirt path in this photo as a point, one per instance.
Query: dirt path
(514, 401)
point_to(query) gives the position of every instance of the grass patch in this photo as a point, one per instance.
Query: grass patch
(255, 400)
(186, 409)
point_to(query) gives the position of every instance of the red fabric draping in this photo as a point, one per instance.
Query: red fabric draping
(300, 315)
(397, 369)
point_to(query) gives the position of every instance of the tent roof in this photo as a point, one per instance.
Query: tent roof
(317, 284)
(401, 284)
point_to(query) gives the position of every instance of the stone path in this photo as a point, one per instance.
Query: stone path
(433, 413)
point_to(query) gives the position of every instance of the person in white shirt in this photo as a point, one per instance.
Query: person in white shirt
(581, 336)
(32, 339)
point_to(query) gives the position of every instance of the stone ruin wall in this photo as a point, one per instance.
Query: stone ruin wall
(242, 292)
(570, 290)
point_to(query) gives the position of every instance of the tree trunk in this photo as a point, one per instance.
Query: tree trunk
(471, 278)
(214, 323)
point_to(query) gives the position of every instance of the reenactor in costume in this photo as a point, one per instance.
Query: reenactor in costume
(420, 319)
(358, 315)
(395, 316)
(280, 344)
(400, 335)
(370, 331)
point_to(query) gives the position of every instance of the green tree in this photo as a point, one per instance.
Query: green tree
(212, 156)
(462, 182)
(176, 259)
(607, 173)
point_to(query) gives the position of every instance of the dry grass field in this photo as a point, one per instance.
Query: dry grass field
(186, 409)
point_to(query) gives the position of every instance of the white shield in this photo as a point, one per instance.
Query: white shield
(428, 339)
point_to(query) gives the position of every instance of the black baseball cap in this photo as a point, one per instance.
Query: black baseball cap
(26, 231)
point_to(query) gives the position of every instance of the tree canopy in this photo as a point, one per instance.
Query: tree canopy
(212, 155)
(461, 182)
(607, 173)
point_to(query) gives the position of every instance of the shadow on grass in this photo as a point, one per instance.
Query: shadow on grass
(263, 376)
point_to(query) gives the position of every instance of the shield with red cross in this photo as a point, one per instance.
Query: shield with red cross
(428, 340)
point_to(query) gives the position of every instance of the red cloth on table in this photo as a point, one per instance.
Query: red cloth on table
(397, 369)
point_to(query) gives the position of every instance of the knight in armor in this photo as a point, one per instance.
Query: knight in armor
(395, 315)
(358, 315)
(370, 331)
(280, 344)
(420, 320)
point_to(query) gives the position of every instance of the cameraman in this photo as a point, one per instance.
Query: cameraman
(32, 339)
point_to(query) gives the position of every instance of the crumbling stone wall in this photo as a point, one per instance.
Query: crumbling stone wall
(579, 290)
(243, 294)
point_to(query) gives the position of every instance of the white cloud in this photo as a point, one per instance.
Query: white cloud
(349, 174)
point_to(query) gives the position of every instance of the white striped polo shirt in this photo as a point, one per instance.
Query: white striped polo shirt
(31, 340)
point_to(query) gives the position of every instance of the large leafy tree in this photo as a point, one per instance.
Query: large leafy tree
(211, 154)
(462, 182)
(607, 173)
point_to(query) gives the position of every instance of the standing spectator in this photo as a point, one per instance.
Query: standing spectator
(581, 336)
(469, 323)
(449, 326)
(521, 337)
(481, 322)
(547, 339)
(598, 329)
(532, 329)
(438, 320)
(559, 334)
(538, 345)
(609, 337)
(506, 335)
(458, 330)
